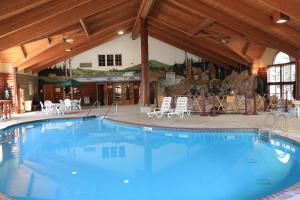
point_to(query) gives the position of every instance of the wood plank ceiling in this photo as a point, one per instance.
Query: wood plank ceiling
(34, 33)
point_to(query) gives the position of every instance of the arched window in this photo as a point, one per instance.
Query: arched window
(281, 76)
(281, 58)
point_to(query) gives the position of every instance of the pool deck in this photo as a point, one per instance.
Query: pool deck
(132, 114)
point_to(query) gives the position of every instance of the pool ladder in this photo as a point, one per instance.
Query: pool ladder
(116, 109)
(106, 113)
(276, 118)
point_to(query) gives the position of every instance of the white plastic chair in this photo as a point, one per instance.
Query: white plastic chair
(164, 109)
(78, 104)
(68, 105)
(60, 109)
(48, 107)
(181, 108)
(43, 108)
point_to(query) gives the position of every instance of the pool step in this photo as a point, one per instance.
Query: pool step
(264, 137)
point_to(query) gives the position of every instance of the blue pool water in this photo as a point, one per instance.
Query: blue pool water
(99, 159)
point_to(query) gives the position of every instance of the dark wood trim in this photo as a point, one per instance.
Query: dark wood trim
(145, 62)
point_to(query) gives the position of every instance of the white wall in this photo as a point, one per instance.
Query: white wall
(131, 53)
(6, 68)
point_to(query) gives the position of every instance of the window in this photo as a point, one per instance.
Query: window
(281, 76)
(118, 60)
(281, 58)
(110, 60)
(101, 60)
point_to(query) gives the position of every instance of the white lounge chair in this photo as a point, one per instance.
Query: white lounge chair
(164, 109)
(181, 108)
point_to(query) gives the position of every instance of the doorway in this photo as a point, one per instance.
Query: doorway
(110, 94)
(100, 93)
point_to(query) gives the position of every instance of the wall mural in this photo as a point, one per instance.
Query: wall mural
(193, 78)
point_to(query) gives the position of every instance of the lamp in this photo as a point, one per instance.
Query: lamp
(279, 18)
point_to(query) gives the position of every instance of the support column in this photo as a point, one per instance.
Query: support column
(15, 95)
(298, 80)
(145, 62)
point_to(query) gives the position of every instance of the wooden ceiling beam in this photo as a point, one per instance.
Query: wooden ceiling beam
(290, 7)
(263, 19)
(204, 43)
(188, 48)
(66, 55)
(204, 24)
(184, 40)
(10, 8)
(142, 13)
(23, 51)
(49, 40)
(251, 32)
(245, 48)
(55, 23)
(37, 14)
(84, 28)
(59, 48)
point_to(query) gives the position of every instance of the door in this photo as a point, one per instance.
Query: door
(100, 93)
(49, 94)
(110, 94)
(136, 94)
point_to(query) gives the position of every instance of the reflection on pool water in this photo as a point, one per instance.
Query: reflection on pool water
(99, 159)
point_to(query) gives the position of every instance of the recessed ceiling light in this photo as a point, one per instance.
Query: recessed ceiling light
(121, 32)
(70, 40)
(279, 18)
(68, 50)
(282, 21)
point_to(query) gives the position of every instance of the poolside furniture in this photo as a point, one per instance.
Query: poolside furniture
(231, 103)
(273, 102)
(60, 108)
(76, 104)
(68, 105)
(164, 109)
(43, 108)
(48, 107)
(297, 108)
(220, 102)
(181, 108)
(240, 101)
(261, 102)
(5, 109)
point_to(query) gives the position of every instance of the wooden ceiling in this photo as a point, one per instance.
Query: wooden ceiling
(33, 33)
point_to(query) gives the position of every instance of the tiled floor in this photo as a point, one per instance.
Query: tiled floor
(132, 114)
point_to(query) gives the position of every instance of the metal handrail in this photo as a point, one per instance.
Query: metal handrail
(276, 119)
(276, 122)
(265, 122)
(94, 104)
(116, 111)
